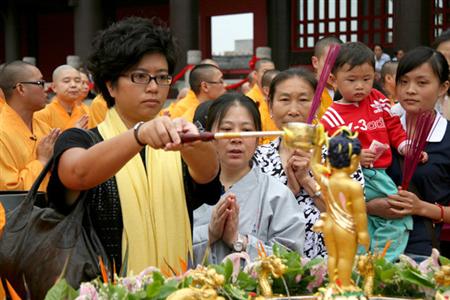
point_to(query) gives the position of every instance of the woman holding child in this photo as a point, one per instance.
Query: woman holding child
(422, 78)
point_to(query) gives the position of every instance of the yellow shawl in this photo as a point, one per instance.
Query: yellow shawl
(156, 221)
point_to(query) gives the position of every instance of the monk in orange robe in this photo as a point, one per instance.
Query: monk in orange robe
(63, 111)
(178, 108)
(97, 111)
(206, 81)
(321, 49)
(84, 91)
(257, 95)
(26, 144)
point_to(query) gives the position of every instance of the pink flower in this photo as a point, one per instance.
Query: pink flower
(304, 260)
(318, 271)
(87, 292)
(235, 259)
(431, 264)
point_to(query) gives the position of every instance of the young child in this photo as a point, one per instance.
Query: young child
(367, 111)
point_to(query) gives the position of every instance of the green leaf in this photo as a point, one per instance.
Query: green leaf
(165, 291)
(117, 292)
(158, 277)
(313, 262)
(416, 278)
(246, 282)
(234, 292)
(61, 290)
(444, 260)
(387, 275)
(153, 289)
(228, 270)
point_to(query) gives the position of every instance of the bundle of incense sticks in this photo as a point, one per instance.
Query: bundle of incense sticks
(329, 62)
(418, 129)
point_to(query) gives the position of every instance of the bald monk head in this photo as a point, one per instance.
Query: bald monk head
(209, 61)
(67, 83)
(23, 86)
(206, 82)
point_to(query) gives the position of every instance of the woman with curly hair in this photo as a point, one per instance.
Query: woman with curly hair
(141, 182)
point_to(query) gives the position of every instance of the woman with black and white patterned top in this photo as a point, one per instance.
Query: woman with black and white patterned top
(290, 97)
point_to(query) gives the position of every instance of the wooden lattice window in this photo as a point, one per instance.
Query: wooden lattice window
(440, 17)
(368, 21)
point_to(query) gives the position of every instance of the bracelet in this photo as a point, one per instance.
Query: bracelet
(317, 194)
(136, 131)
(441, 220)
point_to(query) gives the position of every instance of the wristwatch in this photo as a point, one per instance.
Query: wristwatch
(238, 245)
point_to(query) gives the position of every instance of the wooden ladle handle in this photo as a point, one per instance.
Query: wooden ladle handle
(191, 137)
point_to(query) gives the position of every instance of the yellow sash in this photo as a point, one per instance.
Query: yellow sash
(155, 217)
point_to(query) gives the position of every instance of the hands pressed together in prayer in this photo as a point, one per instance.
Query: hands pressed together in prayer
(298, 174)
(224, 224)
(82, 122)
(297, 170)
(44, 150)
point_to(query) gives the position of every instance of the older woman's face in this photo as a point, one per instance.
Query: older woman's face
(141, 102)
(291, 101)
(236, 153)
(419, 89)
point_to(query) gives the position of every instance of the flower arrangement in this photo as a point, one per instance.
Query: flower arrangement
(302, 276)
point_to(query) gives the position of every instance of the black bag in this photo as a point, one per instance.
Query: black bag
(12, 199)
(37, 243)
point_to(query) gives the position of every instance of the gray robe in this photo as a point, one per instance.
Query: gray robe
(268, 213)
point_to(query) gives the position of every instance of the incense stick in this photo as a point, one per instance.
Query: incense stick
(329, 62)
(418, 129)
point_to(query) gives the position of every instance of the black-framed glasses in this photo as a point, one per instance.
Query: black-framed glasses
(146, 78)
(40, 83)
(216, 82)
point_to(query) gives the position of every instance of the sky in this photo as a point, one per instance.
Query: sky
(227, 28)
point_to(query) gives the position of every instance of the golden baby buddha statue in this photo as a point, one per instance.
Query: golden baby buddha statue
(344, 224)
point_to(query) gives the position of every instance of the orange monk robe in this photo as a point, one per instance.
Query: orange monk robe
(56, 116)
(267, 123)
(19, 166)
(325, 102)
(2, 103)
(84, 108)
(190, 112)
(97, 111)
(177, 109)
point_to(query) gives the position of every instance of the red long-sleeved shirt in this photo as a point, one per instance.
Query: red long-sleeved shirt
(372, 119)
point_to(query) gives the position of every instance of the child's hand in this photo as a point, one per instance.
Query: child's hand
(367, 158)
(423, 157)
